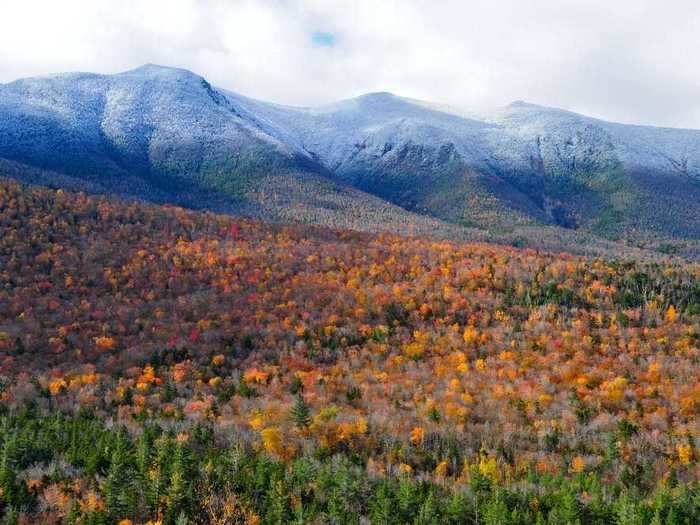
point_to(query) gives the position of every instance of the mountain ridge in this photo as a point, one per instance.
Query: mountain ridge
(163, 133)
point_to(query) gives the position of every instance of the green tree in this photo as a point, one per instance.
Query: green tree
(119, 487)
(179, 487)
(277, 504)
(300, 413)
(428, 513)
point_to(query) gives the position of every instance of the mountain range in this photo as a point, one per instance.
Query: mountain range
(524, 174)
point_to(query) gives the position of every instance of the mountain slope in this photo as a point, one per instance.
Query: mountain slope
(526, 162)
(166, 135)
(416, 157)
(164, 127)
(611, 178)
(378, 161)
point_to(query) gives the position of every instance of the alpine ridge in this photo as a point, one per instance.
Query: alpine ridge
(523, 174)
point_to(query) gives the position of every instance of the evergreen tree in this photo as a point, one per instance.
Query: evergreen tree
(144, 447)
(7, 468)
(569, 508)
(496, 511)
(671, 518)
(179, 487)
(627, 512)
(277, 504)
(383, 506)
(156, 480)
(428, 513)
(656, 520)
(11, 516)
(300, 413)
(408, 499)
(458, 509)
(119, 489)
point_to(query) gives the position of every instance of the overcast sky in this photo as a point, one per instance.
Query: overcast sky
(625, 60)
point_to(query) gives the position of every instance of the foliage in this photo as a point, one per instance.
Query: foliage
(165, 365)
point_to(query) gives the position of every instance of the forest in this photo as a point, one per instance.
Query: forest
(166, 366)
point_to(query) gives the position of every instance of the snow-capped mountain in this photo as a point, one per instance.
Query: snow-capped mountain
(157, 126)
(167, 135)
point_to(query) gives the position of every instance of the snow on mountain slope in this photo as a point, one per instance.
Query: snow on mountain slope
(612, 178)
(402, 150)
(333, 131)
(523, 148)
(164, 131)
(151, 119)
(166, 135)
(635, 146)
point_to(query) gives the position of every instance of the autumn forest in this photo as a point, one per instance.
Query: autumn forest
(165, 366)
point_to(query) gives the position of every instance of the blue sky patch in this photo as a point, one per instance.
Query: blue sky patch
(323, 39)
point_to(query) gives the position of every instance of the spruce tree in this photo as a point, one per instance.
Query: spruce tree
(277, 504)
(300, 413)
(157, 479)
(143, 454)
(119, 490)
(7, 469)
(383, 506)
(458, 509)
(178, 490)
(496, 511)
(428, 513)
(407, 498)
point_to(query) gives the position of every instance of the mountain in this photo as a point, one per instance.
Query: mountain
(167, 135)
(523, 163)
(523, 173)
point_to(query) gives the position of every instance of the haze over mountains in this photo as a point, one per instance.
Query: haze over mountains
(523, 173)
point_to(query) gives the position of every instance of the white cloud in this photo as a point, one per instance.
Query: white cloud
(627, 60)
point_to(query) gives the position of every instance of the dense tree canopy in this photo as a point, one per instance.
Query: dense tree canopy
(158, 364)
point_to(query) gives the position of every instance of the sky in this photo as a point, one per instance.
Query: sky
(633, 61)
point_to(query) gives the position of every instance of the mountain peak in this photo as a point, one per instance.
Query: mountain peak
(522, 104)
(159, 70)
(378, 95)
(157, 67)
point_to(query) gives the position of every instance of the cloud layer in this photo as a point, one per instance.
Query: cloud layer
(628, 60)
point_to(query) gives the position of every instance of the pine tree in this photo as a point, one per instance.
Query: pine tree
(407, 497)
(300, 413)
(496, 511)
(143, 453)
(671, 518)
(458, 509)
(119, 490)
(143, 458)
(156, 478)
(627, 511)
(178, 490)
(383, 508)
(570, 507)
(656, 520)
(277, 504)
(11, 516)
(7, 469)
(428, 513)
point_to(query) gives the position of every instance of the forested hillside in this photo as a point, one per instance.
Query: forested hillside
(159, 365)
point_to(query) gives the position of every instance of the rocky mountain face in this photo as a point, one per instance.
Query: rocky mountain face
(378, 161)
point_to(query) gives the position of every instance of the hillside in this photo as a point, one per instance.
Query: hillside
(187, 367)
(523, 174)
(523, 164)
